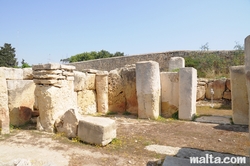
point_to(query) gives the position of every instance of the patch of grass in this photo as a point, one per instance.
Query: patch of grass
(126, 113)
(111, 113)
(175, 70)
(161, 119)
(175, 115)
(75, 139)
(116, 142)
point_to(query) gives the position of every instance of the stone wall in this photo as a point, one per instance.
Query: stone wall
(163, 58)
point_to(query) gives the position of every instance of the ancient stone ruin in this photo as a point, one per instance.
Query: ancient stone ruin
(60, 98)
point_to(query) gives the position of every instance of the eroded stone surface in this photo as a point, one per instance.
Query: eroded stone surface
(86, 100)
(97, 130)
(148, 89)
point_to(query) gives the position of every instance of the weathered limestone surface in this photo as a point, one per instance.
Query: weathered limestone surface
(228, 84)
(201, 93)
(79, 81)
(122, 90)
(4, 110)
(148, 89)
(21, 99)
(247, 69)
(68, 123)
(176, 63)
(187, 93)
(117, 102)
(27, 74)
(129, 88)
(13, 73)
(240, 103)
(97, 130)
(169, 93)
(227, 95)
(218, 86)
(86, 100)
(102, 91)
(54, 102)
(90, 82)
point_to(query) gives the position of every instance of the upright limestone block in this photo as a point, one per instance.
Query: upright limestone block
(247, 69)
(4, 110)
(176, 63)
(239, 94)
(102, 91)
(169, 93)
(148, 89)
(187, 93)
(21, 100)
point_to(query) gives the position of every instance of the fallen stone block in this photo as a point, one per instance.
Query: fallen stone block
(68, 123)
(97, 130)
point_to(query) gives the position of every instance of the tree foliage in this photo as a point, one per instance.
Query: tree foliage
(24, 64)
(7, 56)
(91, 55)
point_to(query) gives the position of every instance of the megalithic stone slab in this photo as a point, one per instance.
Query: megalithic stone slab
(96, 130)
(169, 93)
(102, 91)
(187, 93)
(176, 63)
(247, 70)
(239, 94)
(4, 109)
(148, 89)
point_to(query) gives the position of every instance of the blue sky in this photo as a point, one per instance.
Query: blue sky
(50, 30)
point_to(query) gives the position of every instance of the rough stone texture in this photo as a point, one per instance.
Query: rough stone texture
(108, 64)
(122, 90)
(90, 82)
(97, 130)
(128, 76)
(228, 84)
(54, 102)
(21, 99)
(169, 93)
(102, 91)
(176, 63)
(68, 123)
(240, 103)
(148, 89)
(116, 96)
(214, 119)
(219, 86)
(247, 70)
(201, 93)
(27, 74)
(227, 95)
(4, 110)
(187, 93)
(86, 100)
(13, 73)
(79, 81)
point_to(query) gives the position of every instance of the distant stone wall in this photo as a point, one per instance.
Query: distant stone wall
(162, 58)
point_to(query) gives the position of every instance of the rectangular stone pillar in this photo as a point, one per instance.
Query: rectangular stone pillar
(176, 63)
(239, 95)
(54, 93)
(169, 93)
(102, 91)
(4, 109)
(247, 70)
(148, 89)
(187, 93)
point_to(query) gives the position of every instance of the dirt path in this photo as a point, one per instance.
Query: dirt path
(133, 135)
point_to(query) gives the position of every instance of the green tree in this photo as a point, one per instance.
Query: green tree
(7, 56)
(91, 55)
(25, 64)
(238, 47)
